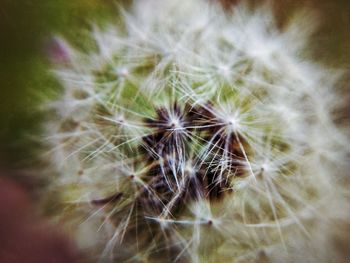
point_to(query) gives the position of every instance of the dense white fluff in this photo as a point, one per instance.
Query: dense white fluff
(292, 202)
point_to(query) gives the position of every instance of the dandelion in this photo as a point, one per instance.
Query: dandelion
(193, 135)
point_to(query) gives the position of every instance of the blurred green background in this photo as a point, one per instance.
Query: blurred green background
(26, 26)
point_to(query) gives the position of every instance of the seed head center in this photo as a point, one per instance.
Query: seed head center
(175, 123)
(233, 123)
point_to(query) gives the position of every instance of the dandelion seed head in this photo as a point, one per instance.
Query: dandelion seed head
(188, 134)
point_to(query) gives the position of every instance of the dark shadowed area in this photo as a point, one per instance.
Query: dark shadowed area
(23, 236)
